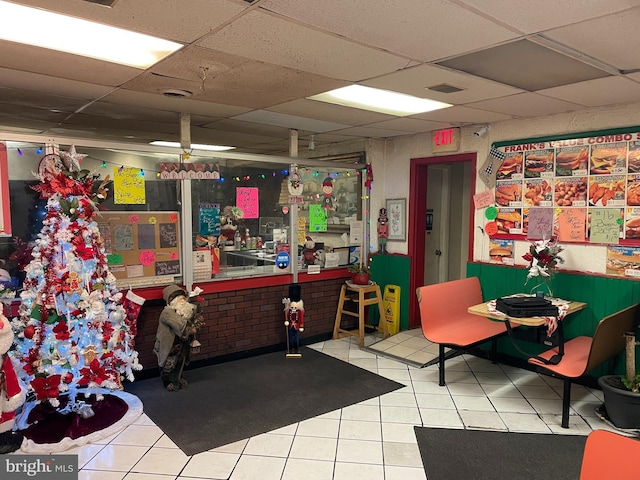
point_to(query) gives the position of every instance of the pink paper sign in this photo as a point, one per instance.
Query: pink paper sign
(483, 199)
(572, 224)
(247, 201)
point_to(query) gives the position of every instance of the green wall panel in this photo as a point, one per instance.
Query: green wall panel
(603, 296)
(392, 270)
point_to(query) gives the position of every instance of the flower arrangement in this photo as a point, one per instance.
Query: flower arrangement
(543, 257)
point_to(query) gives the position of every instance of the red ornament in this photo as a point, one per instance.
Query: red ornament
(29, 332)
(68, 378)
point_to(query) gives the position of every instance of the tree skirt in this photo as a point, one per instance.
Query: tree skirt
(47, 431)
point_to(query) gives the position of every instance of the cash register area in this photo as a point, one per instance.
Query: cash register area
(372, 440)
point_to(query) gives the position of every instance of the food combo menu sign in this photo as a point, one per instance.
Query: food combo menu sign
(588, 174)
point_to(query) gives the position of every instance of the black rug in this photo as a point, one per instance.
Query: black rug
(487, 455)
(236, 400)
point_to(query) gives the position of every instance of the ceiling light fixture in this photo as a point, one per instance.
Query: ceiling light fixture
(194, 146)
(382, 101)
(33, 26)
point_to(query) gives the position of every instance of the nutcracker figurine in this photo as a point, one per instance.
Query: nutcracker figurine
(383, 231)
(293, 320)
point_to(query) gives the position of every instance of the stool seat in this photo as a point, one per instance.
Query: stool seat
(363, 296)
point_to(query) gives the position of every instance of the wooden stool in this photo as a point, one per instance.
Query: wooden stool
(366, 295)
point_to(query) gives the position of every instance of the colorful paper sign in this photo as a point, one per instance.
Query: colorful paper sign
(572, 224)
(317, 218)
(604, 226)
(209, 219)
(483, 199)
(247, 201)
(128, 186)
(540, 223)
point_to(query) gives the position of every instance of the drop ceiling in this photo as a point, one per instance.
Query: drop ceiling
(248, 68)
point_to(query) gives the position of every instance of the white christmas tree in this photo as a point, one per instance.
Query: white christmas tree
(76, 330)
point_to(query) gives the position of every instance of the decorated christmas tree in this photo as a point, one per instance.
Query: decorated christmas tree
(76, 330)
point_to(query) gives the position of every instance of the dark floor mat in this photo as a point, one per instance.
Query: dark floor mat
(236, 400)
(488, 455)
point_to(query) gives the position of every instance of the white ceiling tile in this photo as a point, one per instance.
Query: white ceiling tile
(612, 39)
(52, 85)
(529, 17)
(371, 132)
(599, 92)
(415, 80)
(269, 38)
(289, 121)
(329, 112)
(411, 27)
(526, 105)
(459, 115)
(406, 124)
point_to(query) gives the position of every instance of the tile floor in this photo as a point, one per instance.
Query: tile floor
(373, 440)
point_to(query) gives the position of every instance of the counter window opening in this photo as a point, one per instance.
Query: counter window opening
(230, 237)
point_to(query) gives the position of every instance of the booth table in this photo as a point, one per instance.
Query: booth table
(487, 310)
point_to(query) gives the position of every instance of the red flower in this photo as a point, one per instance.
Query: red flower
(61, 330)
(46, 387)
(93, 373)
(528, 257)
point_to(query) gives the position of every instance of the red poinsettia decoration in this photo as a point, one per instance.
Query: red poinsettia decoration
(93, 373)
(61, 330)
(46, 387)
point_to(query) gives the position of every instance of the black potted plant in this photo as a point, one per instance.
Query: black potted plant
(622, 393)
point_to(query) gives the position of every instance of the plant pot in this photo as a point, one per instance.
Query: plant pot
(622, 405)
(360, 278)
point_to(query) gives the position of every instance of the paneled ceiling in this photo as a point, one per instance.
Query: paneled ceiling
(249, 66)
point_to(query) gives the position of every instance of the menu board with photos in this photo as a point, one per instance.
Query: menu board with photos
(576, 178)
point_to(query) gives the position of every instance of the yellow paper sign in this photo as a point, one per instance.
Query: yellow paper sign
(128, 187)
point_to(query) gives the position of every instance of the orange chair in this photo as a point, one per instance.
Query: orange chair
(610, 455)
(583, 354)
(445, 320)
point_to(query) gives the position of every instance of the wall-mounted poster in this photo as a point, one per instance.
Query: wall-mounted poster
(577, 178)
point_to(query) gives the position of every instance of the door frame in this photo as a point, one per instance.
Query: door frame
(418, 221)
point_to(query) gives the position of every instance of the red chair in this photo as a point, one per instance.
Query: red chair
(446, 321)
(609, 455)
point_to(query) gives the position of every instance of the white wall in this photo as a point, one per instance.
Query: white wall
(399, 151)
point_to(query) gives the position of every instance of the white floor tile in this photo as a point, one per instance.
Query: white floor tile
(297, 469)
(398, 399)
(359, 451)
(482, 420)
(319, 427)
(522, 422)
(404, 473)
(357, 430)
(440, 418)
(142, 435)
(401, 454)
(168, 461)
(314, 448)
(211, 465)
(269, 445)
(401, 414)
(356, 471)
(481, 404)
(100, 475)
(119, 458)
(368, 413)
(427, 400)
(250, 467)
(398, 433)
(515, 405)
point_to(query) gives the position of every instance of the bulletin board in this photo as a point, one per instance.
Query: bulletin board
(141, 247)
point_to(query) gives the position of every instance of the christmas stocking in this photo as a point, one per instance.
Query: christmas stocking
(132, 304)
(488, 170)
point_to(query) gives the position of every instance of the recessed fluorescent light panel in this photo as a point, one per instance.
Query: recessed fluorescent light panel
(194, 146)
(376, 100)
(54, 31)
